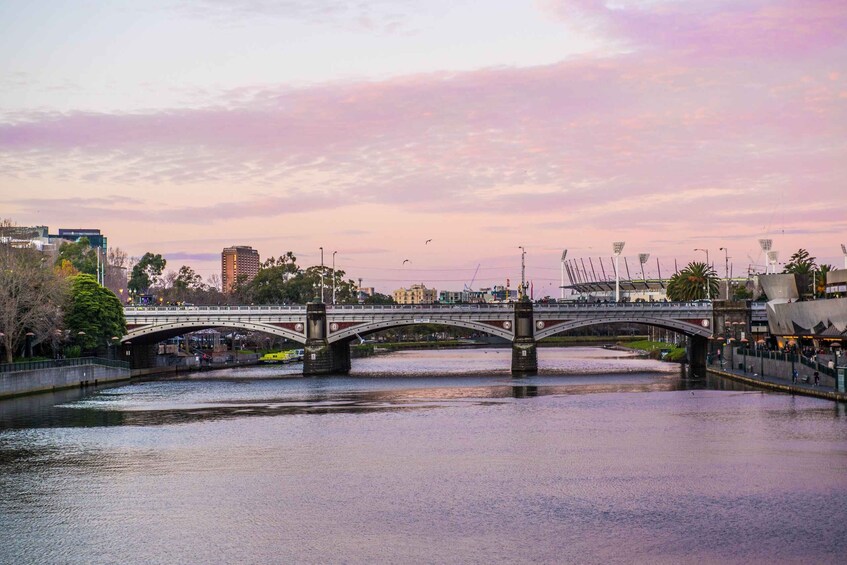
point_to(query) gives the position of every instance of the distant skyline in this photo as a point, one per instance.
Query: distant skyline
(369, 127)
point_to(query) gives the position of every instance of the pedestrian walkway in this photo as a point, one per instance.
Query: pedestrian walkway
(780, 384)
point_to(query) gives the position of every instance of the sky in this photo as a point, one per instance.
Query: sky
(368, 127)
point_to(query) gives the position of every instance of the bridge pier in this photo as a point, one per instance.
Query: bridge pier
(140, 355)
(319, 356)
(697, 349)
(524, 348)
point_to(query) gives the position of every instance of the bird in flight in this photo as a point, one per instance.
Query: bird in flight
(427, 241)
(406, 261)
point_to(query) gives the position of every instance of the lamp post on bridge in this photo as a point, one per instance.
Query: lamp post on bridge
(322, 276)
(565, 254)
(617, 249)
(726, 269)
(523, 273)
(708, 290)
(333, 276)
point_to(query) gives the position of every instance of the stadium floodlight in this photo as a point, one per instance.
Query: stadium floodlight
(773, 257)
(844, 251)
(643, 258)
(617, 249)
(564, 255)
(765, 244)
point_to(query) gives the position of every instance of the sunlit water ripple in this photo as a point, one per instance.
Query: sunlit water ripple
(436, 456)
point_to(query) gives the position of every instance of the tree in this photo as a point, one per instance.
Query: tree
(695, 282)
(800, 263)
(146, 272)
(65, 269)
(80, 254)
(31, 296)
(377, 298)
(94, 315)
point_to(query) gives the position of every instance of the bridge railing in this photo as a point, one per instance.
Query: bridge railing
(786, 358)
(441, 307)
(52, 364)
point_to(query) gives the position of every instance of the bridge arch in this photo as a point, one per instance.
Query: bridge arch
(159, 332)
(368, 328)
(679, 326)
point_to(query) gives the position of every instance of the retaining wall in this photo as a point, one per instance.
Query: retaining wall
(40, 380)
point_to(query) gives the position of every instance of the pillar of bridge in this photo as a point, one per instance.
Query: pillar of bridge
(697, 349)
(139, 355)
(524, 349)
(319, 356)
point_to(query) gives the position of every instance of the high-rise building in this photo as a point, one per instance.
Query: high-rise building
(239, 263)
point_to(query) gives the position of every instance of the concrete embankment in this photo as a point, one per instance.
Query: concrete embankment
(17, 383)
(782, 386)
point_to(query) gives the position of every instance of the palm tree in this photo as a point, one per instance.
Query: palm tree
(801, 263)
(695, 282)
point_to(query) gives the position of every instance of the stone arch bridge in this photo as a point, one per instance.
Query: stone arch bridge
(326, 331)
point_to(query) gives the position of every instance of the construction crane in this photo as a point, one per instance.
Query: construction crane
(469, 286)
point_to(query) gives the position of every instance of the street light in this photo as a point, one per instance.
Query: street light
(523, 273)
(726, 269)
(565, 254)
(333, 276)
(708, 289)
(322, 275)
(617, 249)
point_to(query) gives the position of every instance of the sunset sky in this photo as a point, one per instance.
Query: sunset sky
(369, 127)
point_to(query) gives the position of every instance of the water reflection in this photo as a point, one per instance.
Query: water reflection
(577, 465)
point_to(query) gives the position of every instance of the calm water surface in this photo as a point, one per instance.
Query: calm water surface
(436, 456)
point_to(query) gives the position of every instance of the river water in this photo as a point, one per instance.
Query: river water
(435, 456)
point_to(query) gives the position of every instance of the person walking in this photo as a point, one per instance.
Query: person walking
(794, 376)
(817, 378)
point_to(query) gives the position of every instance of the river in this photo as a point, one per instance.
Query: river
(426, 456)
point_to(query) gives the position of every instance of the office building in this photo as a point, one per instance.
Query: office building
(239, 264)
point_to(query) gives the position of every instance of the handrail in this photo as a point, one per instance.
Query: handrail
(57, 363)
(703, 306)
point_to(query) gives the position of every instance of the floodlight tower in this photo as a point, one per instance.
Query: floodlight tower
(766, 244)
(726, 271)
(844, 251)
(565, 254)
(617, 249)
(773, 257)
(643, 258)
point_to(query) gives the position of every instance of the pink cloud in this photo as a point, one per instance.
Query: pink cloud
(755, 28)
(572, 136)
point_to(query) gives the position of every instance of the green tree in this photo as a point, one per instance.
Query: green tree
(146, 272)
(93, 315)
(80, 254)
(377, 298)
(31, 296)
(800, 263)
(187, 279)
(695, 282)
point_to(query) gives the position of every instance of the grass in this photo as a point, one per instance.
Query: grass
(655, 348)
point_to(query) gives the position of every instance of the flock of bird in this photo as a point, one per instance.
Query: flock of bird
(409, 261)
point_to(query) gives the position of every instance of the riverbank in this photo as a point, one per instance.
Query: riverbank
(48, 376)
(781, 385)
